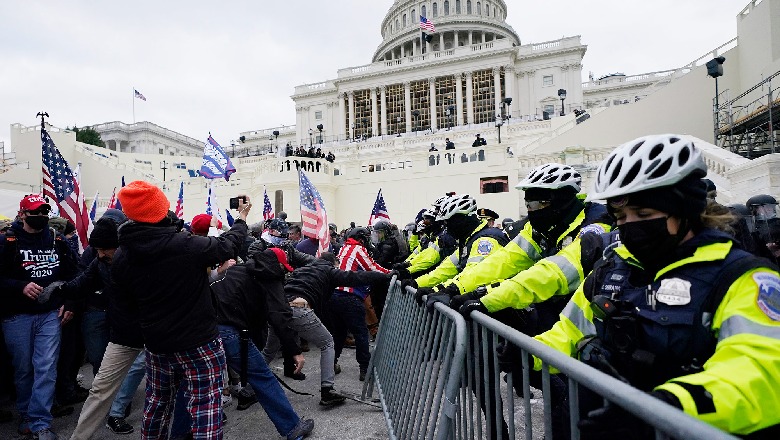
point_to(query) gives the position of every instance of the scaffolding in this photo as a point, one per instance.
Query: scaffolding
(747, 125)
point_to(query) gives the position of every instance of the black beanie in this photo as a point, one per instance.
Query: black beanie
(104, 235)
(685, 199)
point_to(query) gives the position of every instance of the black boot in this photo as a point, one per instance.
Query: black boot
(289, 370)
(329, 397)
(245, 399)
(363, 371)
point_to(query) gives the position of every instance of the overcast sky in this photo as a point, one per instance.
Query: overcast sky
(227, 67)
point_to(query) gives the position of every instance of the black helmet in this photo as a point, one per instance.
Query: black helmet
(739, 209)
(506, 222)
(279, 225)
(360, 233)
(761, 199)
(382, 226)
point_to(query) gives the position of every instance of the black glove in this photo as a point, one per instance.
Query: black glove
(402, 273)
(434, 298)
(510, 358)
(612, 422)
(402, 265)
(422, 291)
(408, 283)
(470, 306)
(459, 300)
(452, 290)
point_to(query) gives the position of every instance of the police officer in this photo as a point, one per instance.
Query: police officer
(435, 244)
(489, 215)
(766, 233)
(677, 309)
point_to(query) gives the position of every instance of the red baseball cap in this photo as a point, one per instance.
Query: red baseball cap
(281, 256)
(201, 223)
(31, 202)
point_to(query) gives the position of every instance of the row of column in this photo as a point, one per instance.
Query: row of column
(428, 48)
(432, 100)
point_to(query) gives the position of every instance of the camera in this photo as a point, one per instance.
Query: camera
(234, 202)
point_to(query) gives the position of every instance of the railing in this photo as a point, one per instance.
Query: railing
(148, 126)
(429, 365)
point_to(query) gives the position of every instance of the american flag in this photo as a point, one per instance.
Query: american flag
(216, 162)
(113, 200)
(138, 95)
(314, 219)
(180, 202)
(268, 209)
(60, 185)
(426, 25)
(379, 212)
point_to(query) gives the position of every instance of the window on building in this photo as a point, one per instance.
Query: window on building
(404, 20)
(414, 15)
(479, 8)
(468, 6)
(424, 10)
(547, 80)
(549, 109)
(396, 25)
(487, 9)
(161, 151)
(492, 185)
(318, 115)
(181, 166)
(435, 9)
(278, 201)
(457, 6)
(446, 8)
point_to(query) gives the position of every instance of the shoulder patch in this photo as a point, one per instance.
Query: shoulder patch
(593, 228)
(768, 294)
(484, 247)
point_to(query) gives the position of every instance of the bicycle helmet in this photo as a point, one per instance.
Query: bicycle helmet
(459, 204)
(438, 203)
(551, 176)
(648, 162)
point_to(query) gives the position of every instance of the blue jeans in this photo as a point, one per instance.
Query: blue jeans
(349, 313)
(94, 328)
(269, 392)
(33, 342)
(129, 386)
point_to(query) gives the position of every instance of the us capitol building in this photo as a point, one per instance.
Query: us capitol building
(473, 76)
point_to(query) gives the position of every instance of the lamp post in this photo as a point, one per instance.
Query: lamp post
(233, 145)
(310, 133)
(504, 103)
(499, 123)
(715, 69)
(163, 166)
(562, 95)
(354, 132)
(416, 115)
(320, 127)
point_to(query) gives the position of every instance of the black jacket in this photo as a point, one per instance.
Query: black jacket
(251, 295)
(165, 272)
(315, 282)
(40, 258)
(386, 252)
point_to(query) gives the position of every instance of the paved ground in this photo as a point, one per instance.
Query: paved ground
(351, 420)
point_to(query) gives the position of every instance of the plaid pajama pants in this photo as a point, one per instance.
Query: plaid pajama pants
(200, 370)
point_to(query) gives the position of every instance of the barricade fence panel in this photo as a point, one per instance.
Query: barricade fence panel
(439, 376)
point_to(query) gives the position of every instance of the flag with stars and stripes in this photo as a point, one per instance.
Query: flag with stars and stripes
(113, 200)
(60, 185)
(139, 95)
(426, 25)
(314, 219)
(268, 209)
(180, 202)
(379, 212)
(216, 163)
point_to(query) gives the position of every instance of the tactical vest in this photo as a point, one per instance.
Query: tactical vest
(666, 330)
(465, 251)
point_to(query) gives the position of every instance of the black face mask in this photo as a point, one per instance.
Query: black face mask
(650, 242)
(37, 222)
(459, 226)
(543, 220)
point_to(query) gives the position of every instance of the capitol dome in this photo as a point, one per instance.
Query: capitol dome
(458, 23)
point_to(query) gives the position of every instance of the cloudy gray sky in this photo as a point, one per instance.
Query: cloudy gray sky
(231, 66)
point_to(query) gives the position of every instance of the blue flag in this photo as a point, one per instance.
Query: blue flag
(216, 162)
(229, 218)
(119, 205)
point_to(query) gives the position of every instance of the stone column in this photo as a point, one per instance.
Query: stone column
(383, 111)
(432, 102)
(471, 38)
(497, 87)
(403, 52)
(509, 86)
(532, 102)
(565, 84)
(522, 94)
(459, 98)
(351, 96)
(342, 121)
(408, 106)
(374, 110)
(441, 41)
(455, 41)
(469, 99)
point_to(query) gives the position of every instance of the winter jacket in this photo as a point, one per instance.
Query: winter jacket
(164, 271)
(354, 257)
(251, 295)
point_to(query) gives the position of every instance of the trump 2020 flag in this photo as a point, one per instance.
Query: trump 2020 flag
(268, 209)
(379, 212)
(180, 202)
(314, 219)
(216, 162)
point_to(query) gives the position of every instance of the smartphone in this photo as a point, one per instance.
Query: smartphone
(234, 202)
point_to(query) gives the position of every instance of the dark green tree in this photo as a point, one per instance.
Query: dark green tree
(88, 135)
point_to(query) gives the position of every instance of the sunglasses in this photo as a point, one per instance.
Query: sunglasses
(537, 204)
(39, 211)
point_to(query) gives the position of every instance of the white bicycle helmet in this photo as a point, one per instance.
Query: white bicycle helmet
(551, 176)
(437, 204)
(457, 204)
(648, 162)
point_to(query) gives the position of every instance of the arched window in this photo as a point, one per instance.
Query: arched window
(446, 7)
(468, 6)
(414, 16)
(494, 12)
(457, 6)
(487, 9)
(396, 25)
(404, 21)
(435, 9)
(424, 11)
(479, 8)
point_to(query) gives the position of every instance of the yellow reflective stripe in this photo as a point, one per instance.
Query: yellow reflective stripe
(568, 270)
(575, 224)
(739, 325)
(527, 247)
(577, 316)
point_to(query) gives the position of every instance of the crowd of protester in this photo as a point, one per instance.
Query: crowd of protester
(200, 309)
(311, 152)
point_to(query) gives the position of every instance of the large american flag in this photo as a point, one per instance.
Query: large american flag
(314, 219)
(426, 25)
(180, 202)
(60, 185)
(379, 212)
(268, 209)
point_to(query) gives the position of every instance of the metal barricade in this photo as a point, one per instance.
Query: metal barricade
(438, 376)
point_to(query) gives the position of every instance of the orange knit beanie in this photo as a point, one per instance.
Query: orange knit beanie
(143, 202)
